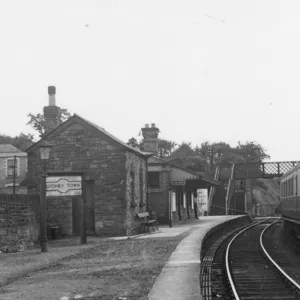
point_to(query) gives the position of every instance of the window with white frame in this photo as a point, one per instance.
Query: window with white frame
(12, 167)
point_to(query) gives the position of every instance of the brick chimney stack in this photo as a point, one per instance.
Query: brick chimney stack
(51, 112)
(150, 141)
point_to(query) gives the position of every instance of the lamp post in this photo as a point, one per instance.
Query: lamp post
(44, 156)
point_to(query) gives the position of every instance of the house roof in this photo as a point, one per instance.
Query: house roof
(10, 150)
(75, 117)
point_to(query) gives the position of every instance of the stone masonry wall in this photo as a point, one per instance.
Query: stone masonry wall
(19, 221)
(135, 193)
(80, 148)
(109, 194)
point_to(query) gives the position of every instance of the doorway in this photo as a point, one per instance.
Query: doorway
(76, 213)
(77, 206)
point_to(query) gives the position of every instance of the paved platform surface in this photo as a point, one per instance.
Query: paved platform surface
(179, 279)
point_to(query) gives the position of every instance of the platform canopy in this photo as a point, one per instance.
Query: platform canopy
(195, 183)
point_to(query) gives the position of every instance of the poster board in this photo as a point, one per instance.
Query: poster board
(202, 201)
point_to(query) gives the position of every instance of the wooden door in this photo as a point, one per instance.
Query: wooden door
(76, 212)
(90, 203)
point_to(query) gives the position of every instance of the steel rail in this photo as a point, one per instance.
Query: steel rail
(290, 220)
(273, 262)
(227, 258)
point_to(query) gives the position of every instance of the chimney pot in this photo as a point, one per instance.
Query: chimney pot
(51, 93)
(153, 125)
(51, 90)
(146, 125)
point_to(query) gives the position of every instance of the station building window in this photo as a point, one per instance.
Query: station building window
(12, 167)
(154, 179)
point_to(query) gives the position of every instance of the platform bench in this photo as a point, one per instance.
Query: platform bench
(146, 222)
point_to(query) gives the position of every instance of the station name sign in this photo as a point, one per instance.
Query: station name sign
(178, 182)
(63, 186)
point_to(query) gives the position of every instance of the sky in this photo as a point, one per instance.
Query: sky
(210, 70)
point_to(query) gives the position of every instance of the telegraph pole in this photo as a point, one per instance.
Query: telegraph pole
(14, 177)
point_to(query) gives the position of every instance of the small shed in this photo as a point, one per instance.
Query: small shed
(114, 178)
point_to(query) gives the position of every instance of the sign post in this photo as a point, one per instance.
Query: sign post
(83, 237)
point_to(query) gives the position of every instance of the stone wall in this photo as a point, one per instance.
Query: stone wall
(109, 194)
(19, 220)
(9, 190)
(135, 193)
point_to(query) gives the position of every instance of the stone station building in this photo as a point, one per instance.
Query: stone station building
(114, 176)
(171, 188)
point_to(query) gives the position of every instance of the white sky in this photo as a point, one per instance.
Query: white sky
(209, 70)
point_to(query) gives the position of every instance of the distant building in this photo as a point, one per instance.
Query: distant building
(114, 176)
(13, 168)
(172, 188)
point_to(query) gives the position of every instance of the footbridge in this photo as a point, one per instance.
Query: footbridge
(247, 171)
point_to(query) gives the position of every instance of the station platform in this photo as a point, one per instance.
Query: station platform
(179, 279)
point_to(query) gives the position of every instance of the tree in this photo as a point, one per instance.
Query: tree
(252, 152)
(188, 157)
(223, 155)
(165, 147)
(21, 141)
(133, 142)
(38, 121)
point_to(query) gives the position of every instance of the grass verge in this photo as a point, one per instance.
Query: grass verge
(109, 270)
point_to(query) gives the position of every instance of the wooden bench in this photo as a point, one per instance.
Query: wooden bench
(146, 222)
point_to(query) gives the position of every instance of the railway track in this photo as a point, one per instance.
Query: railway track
(238, 266)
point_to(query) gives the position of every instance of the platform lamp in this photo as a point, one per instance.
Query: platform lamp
(44, 156)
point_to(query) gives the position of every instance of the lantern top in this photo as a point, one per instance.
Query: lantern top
(45, 149)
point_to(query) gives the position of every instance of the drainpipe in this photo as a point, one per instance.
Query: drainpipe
(14, 177)
(147, 185)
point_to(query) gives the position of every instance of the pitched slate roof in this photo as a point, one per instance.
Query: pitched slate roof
(111, 136)
(100, 129)
(8, 148)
